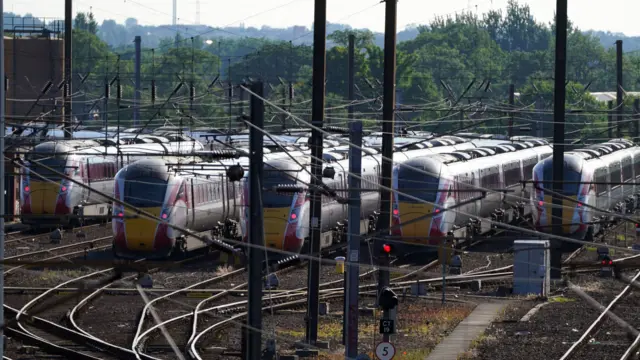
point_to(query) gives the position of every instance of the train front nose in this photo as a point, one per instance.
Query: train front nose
(140, 233)
(415, 231)
(46, 199)
(572, 223)
(281, 229)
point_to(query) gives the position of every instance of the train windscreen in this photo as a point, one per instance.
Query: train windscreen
(145, 192)
(416, 184)
(56, 164)
(272, 178)
(571, 182)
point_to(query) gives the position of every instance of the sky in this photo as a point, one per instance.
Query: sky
(611, 15)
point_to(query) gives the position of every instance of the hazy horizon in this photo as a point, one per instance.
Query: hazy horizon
(585, 14)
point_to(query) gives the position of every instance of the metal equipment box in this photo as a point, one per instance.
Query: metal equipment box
(531, 267)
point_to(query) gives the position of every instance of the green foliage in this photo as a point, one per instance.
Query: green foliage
(461, 60)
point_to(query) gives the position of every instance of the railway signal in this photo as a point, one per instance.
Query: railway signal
(388, 299)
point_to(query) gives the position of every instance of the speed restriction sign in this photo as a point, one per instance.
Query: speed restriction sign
(385, 351)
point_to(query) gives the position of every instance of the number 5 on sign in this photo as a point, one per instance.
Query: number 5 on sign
(385, 351)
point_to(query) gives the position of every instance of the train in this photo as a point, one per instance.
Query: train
(453, 194)
(211, 205)
(286, 217)
(599, 182)
(44, 192)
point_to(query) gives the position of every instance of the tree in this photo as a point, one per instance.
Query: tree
(363, 38)
(86, 22)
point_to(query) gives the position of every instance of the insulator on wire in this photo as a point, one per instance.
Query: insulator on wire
(192, 92)
(6, 83)
(66, 89)
(119, 91)
(230, 90)
(291, 92)
(107, 91)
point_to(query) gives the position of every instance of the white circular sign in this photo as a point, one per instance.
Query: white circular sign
(385, 351)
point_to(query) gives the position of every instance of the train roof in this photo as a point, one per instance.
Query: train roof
(156, 168)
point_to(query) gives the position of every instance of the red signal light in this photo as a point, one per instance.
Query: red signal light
(26, 188)
(395, 212)
(164, 216)
(437, 211)
(120, 215)
(294, 216)
(637, 225)
(540, 203)
(64, 188)
(386, 248)
(579, 204)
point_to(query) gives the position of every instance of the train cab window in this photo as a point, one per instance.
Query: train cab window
(416, 184)
(571, 182)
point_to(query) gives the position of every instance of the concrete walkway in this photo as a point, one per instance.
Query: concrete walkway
(467, 331)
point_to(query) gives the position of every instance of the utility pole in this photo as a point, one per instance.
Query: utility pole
(68, 77)
(256, 240)
(512, 95)
(388, 108)
(3, 90)
(317, 120)
(541, 117)
(610, 119)
(290, 75)
(175, 13)
(619, 88)
(230, 99)
(192, 88)
(353, 258)
(558, 134)
(138, 85)
(118, 99)
(107, 90)
(636, 123)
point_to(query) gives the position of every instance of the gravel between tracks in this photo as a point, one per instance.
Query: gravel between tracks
(559, 323)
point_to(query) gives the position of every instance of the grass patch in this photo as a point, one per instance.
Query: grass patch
(415, 354)
(561, 299)
(419, 328)
(472, 352)
(59, 274)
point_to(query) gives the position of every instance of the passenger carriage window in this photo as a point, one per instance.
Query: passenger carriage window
(615, 177)
(627, 172)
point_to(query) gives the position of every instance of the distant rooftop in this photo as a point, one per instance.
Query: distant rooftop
(611, 95)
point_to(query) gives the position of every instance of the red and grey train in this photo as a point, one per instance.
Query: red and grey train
(93, 166)
(442, 195)
(602, 176)
(209, 203)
